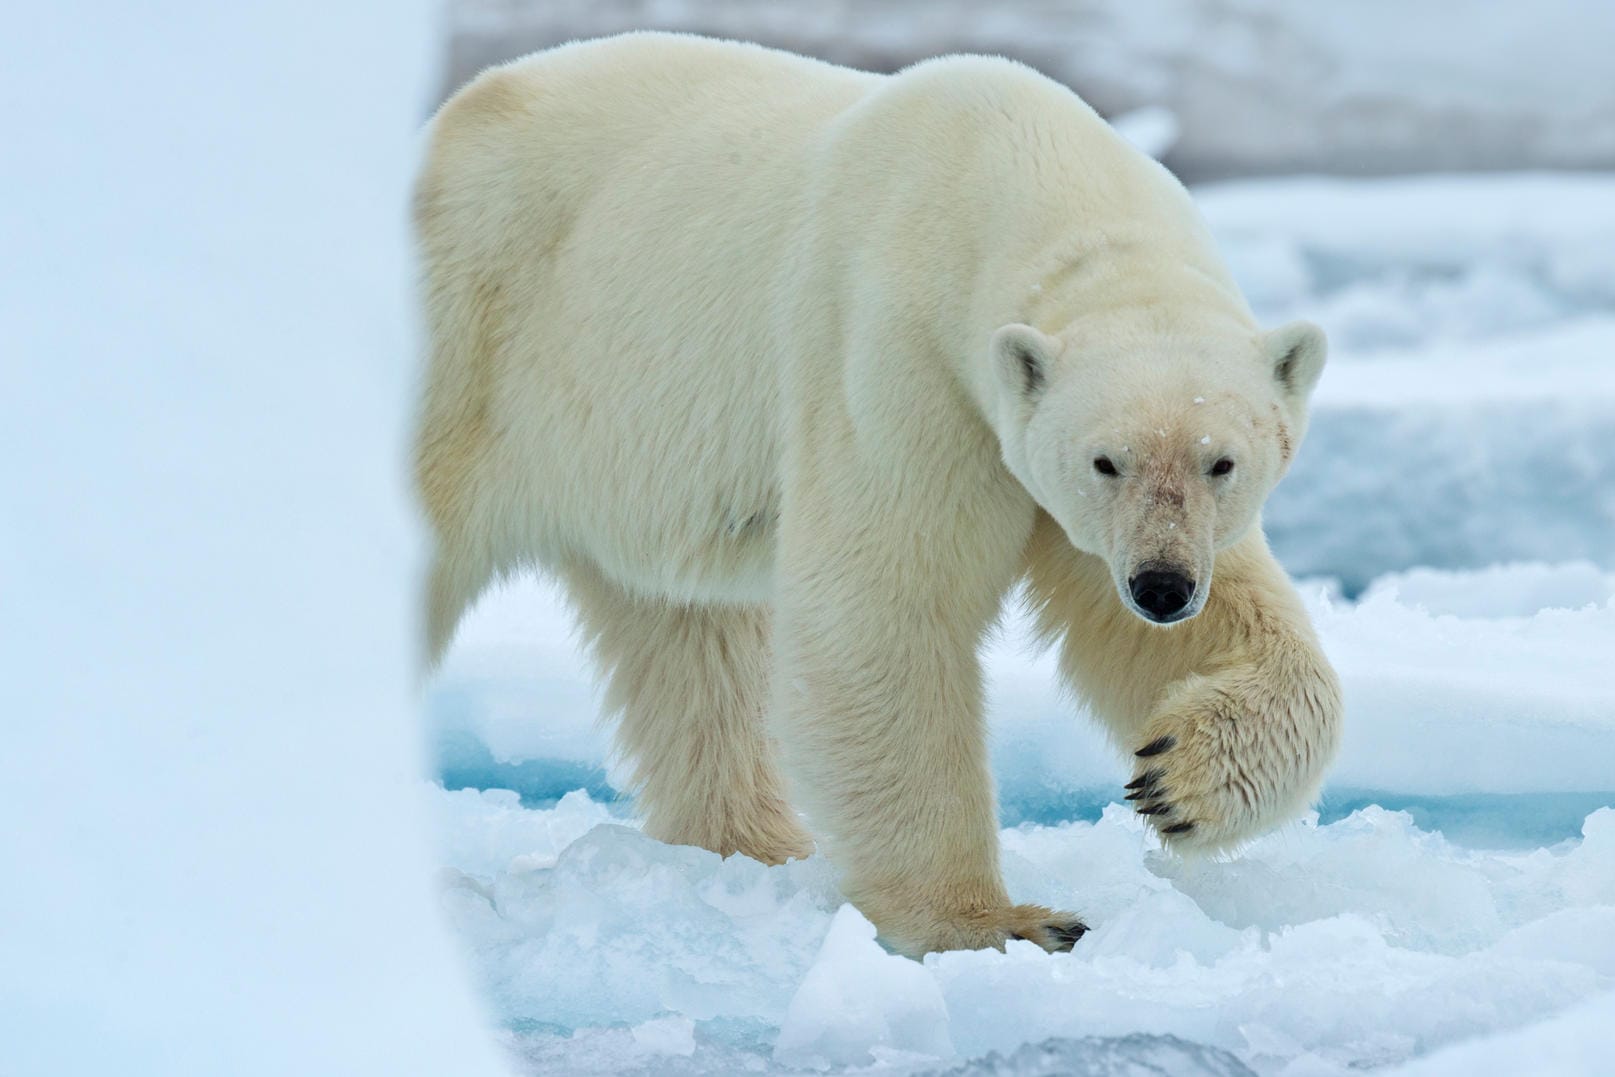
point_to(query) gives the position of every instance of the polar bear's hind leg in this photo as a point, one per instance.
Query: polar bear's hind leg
(688, 684)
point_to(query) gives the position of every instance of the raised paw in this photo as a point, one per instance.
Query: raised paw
(1190, 789)
(1225, 758)
(1152, 795)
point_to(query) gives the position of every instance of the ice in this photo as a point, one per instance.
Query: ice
(570, 938)
(1467, 415)
(1423, 242)
(1136, 1055)
(666, 1036)
(214, 851)
(1254, 87)
(479, 825)
(1384, 487)
(1525, 697)
(859, 1004)
(1320, 948)
(1573, 1042)
(1510, 590)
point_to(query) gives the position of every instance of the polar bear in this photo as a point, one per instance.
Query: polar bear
(790, 374)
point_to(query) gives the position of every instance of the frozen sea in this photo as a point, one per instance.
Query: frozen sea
(1451, 521)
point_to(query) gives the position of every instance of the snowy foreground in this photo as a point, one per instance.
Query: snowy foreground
(1451, 906)
(213, 851)
(1318, 949)
(1363, 941)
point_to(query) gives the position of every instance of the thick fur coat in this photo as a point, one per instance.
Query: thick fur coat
(790, 374)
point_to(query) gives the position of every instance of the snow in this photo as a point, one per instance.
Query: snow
(1452, 523)
(858, 1004)
(1507, 704)
(1319, 949)
(1576, 1041)
(1249, 87)
(214, 849)
(1514, 590)
(1467, 415)
(1133, 1055)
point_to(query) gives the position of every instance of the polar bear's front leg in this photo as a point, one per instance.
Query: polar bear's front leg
(878, 704)
(1231, 717)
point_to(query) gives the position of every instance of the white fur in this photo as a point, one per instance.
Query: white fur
(791, 372)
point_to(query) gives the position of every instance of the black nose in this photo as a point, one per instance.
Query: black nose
(1162, 595)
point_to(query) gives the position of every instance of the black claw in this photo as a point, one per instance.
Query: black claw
(1177, 828)
(1066, 935)
(1137, 794)
(1156, 809)
(1149, 777)
(1156, 746)
(1061, 935)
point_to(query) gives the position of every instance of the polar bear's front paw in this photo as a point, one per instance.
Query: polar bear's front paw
(1149, 789)
(1226, 758)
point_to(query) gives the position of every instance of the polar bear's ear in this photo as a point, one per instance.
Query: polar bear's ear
(1296, 351)
(1021, 357)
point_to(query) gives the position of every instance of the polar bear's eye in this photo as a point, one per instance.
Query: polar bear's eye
(1222, 467)
(1103, 465)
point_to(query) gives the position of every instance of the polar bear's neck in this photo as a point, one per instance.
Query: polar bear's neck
(1174, 287)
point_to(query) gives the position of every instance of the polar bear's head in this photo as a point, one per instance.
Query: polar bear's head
(1153, 449)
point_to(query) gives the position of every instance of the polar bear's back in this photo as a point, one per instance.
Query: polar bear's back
(630, 114)
(597, 223)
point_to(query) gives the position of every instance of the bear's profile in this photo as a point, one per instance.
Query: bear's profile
(790, 373)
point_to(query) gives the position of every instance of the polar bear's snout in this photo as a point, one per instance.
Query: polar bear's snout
(1162, 593)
